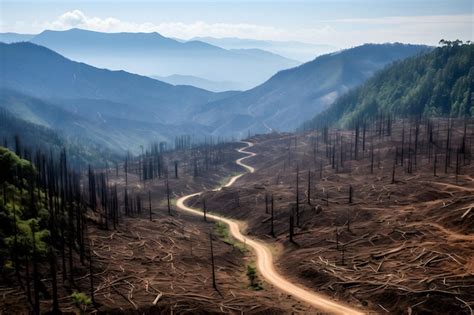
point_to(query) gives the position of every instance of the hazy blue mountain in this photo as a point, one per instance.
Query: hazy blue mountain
(43, 73)
(120, 110)
(290, 49)
(153, 54)
(214, 86)
(15, 37)
(113, 130)
(113, 108)
(293, 95)
(81, 152)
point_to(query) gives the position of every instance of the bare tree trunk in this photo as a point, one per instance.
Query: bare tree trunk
(214, 285)
(149, 203)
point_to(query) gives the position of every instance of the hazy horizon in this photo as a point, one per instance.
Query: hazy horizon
(337, 23)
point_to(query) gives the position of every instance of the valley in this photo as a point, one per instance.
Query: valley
(226, 157)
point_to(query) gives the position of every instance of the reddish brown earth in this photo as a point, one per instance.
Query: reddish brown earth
(409, 245)
(164, 266)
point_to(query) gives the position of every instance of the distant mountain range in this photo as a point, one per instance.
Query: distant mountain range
(15, 37)
(293, 95)
(120, 111)
(438, 83)
(213, 86)
(153, 54)
(117, 109)
(291, 49)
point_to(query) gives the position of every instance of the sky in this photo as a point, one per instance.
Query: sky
(342, 23)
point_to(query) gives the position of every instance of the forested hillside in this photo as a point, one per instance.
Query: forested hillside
(291, 96)
(435, 84)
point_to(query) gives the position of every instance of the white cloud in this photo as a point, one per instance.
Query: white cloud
(77, 19)
(337, 32)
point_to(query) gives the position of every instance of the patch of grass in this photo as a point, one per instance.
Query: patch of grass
(81, 300)
(222, 231)
(253, 278)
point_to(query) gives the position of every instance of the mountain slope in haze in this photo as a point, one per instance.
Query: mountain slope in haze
(290, 49)
(40, 72)
(293, 95)
(115, 109)
(15, 37)
(93, 123)
(213, 86)
(439, 83)
(154, 54)
(34, 137)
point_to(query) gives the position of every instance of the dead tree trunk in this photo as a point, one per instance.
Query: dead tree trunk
(309, 187)
(168, 195)
(297, 196)
(272, 231)
(292, 227)
(149, 205)
(214, 285)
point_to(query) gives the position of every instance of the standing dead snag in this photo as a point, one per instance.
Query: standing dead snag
(204, 209)
(309, 187)
(272, 232)
(214, 285)
(348, 220)
(372, 156)
(149, 203)
(350, 194)
(91, 275)
(292, 227)
(168, 195)
(266, 203)
(297, 196)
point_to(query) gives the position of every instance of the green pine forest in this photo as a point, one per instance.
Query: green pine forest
(434, 84)
(42, 224)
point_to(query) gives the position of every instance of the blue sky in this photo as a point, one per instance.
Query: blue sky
(341, 23)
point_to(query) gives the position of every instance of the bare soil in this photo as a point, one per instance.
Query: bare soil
(402, 247)
(163, 266)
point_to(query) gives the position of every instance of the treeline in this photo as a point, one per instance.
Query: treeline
(436, 84)
(160, 161)
(43, 226)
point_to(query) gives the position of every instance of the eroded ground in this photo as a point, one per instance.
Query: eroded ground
(403, 246)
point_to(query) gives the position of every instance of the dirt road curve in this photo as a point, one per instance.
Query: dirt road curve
(264, 255)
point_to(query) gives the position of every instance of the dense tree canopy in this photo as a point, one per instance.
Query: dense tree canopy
(435, 84)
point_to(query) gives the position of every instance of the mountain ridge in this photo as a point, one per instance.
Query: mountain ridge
(438, 83)
(154, 54)
(291, 95)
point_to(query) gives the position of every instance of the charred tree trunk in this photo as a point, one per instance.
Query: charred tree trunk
(168, 196)
(272, 231)
(149, 205)
(214, 284)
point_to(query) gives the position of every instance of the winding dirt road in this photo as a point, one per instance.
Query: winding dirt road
(264, 255)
